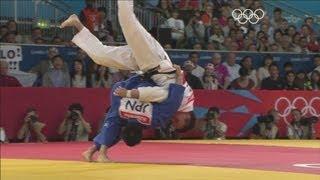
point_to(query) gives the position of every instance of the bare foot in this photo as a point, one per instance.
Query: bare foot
(87, 156)
(103, 159)
(72, 21)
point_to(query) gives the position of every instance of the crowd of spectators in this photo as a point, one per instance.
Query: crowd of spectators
(208, 25)
(230, 75)
(196, 24)
(82, 72)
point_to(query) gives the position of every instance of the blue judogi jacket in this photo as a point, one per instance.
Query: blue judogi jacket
(149, 114)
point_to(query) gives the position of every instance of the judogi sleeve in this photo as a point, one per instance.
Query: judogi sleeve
(119, 57)
(153, 94)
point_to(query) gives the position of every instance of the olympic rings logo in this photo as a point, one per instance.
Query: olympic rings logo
(247, 15)
(308, 107)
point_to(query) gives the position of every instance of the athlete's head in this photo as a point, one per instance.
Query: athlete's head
(183, 121)
(131, 133)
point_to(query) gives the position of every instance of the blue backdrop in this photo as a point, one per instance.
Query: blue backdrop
(31, 55)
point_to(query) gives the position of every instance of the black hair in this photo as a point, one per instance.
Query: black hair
(192, 53)
(214, 109)
(243, 72)
(31, 109)
(57, 56)
(289, 63)
(76, 106)
(97, 74)
(73, 73)
(190, 125)
(131, 133)
(277, 9)
(290, 72)
(274, 64)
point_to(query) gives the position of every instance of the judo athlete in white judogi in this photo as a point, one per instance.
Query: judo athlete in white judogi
(143, 53)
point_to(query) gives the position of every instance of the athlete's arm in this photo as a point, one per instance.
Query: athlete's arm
(150, 94)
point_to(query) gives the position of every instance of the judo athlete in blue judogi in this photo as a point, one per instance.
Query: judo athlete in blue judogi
(143, 53)
(127, 117)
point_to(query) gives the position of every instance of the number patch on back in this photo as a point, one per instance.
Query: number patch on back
(135, 109)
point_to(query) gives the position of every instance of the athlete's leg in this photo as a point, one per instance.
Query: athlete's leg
(88, 154)
(147, 51)
(110, 56)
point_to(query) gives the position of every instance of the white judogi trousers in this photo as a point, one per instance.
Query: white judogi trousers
(142, 53)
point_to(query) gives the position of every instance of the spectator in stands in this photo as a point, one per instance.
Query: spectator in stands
(225, 13)
(177, 28)
(56, 77)
(290, 83)
(3, 31)
(213, 127)
(284, 26)
(313, 45)
(197, 71)
(262, 42)
(3, 136)
(207, 15)
(78, 75)
(314, 83)
(216, 35)
(101, 78)
(296, 43)
(286, 44)
(274, 82)
(292, 30)
(192, 80)
(210, 82)
(304, 45)
(316, 62)
(277, 18)
(31, 125)
(243, 82)
(246, 63)
(12, 28)
(309, 21)
(274, 48)
(263, 71)
(74, 127)
(165, 8)
(5, 79)
(195, 31)
(300, 127)
(266, 126)
(287, 67)
(10, 37)
(105, 32)
(90, 17)
(232, 67)
(35, 34)
(46, 65)
(197, 47)
(277, 36)
(220, 71)
(301, 80)
(306, 31)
